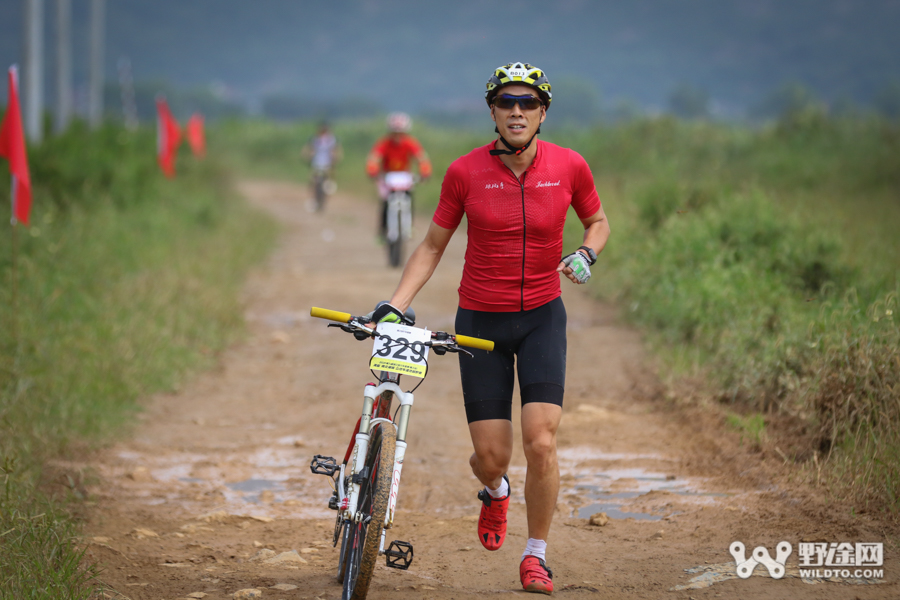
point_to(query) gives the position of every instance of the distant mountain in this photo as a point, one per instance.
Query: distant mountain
(417, 55)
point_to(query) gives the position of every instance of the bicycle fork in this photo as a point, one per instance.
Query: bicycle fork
(399, 555)
(362, 443)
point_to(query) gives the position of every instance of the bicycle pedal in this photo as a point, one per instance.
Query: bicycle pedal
(399, 555)
(323, 465)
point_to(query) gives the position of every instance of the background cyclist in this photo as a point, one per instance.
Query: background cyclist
(323, 152)
(395, 152)
(515, 192)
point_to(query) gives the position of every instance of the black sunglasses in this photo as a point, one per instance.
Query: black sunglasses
(507, 101)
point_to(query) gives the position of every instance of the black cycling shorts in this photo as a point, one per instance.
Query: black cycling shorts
(532, 340)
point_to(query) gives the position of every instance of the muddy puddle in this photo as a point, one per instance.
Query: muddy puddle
(271, 482)
(626, 486)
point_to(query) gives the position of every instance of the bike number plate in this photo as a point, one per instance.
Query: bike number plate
(398, 180)
(401, 349)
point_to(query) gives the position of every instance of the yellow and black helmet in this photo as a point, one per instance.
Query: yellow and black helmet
(521, 73)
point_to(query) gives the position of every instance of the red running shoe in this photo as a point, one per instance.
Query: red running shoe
(492, 521)
(536, 576)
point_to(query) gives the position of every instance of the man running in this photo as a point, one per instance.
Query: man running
(395, 152)
(515, 192)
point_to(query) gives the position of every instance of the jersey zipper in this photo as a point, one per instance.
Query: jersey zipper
(524, 236)
(521, 183)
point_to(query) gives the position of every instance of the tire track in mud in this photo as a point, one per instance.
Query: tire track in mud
(212, 493)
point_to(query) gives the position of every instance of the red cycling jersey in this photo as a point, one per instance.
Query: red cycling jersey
(389, 155)
(515, 226)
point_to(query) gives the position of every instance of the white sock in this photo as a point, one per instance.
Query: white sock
(500, 492)
(535, 548)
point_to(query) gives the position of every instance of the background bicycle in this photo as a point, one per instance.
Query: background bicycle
(398, 212)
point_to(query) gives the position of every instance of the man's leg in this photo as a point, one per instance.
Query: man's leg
(487, 382)
(492, 440)
(382, 197)
(540, 420)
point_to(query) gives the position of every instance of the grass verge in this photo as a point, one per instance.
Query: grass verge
(740, 254)
(125, 282)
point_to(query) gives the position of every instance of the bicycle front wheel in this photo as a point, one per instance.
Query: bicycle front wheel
(395, 252)
(320, 192)
(364, 539)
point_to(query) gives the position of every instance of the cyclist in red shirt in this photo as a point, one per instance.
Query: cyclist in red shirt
(395, 152)
(515, 192)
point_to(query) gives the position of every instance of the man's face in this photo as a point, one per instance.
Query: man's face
(516, 124)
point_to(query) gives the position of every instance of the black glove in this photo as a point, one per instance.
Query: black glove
(385, 312)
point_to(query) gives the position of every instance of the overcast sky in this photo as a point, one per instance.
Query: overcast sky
(415, 54)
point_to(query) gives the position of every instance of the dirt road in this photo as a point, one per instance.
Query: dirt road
(214, 483)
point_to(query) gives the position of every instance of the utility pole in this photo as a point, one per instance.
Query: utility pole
(95, 94)
(33, 103)
(126, 85)
(63, 65)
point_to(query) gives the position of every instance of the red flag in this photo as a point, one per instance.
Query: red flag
(168, 137)
(12, 147)
(195, 135)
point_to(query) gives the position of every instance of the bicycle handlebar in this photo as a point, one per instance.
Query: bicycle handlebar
(474, 342)
(342, 317)
(331, 315)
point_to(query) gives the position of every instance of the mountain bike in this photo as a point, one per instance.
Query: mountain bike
(366, 483)
(398, 225)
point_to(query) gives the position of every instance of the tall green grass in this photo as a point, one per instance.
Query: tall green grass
(125, 282)
(769, 261)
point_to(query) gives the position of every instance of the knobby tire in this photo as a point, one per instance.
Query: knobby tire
(365, 538)
(395, 252)
(320, 193)
(394, 246)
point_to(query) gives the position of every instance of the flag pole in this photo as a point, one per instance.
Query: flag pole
(14, 301)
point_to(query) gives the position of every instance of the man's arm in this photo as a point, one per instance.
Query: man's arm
(421, 265)
(596, 234)
(373, 160)
(424, 163)
(418, 152)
